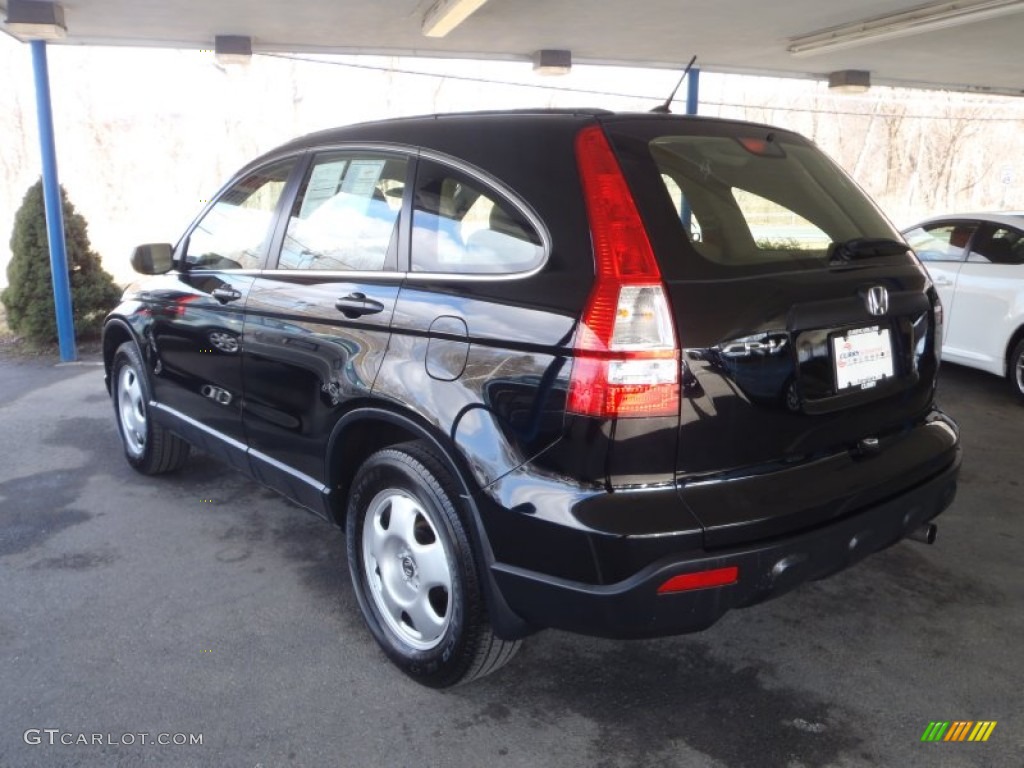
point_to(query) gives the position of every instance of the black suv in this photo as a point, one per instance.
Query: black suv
(612, 373)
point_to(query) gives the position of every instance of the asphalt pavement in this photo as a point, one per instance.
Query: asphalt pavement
(203, 607)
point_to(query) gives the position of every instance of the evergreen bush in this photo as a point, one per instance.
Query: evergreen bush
(28, 297)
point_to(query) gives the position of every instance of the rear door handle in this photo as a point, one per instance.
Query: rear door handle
(224, 295)
(356, 304)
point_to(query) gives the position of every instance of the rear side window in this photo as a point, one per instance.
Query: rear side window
(345, 217)
(941, 242)
(461, 226)
(752, 202)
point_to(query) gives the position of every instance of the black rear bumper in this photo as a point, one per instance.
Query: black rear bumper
(633, 608)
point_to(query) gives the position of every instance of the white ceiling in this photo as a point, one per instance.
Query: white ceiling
(727, 35)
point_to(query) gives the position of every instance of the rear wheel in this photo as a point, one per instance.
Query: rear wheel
(1015, 370)
(414, 572)
(149, 447)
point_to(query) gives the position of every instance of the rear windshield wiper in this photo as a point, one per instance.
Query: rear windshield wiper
(865, 247)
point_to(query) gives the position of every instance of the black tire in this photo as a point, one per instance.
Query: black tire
(148, 447)
(1015, 370)
(414, 572)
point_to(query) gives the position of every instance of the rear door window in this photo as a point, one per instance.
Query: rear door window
(345, 217)
(462, 226)
(997, 245)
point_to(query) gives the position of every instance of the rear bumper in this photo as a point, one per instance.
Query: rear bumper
(633, 608)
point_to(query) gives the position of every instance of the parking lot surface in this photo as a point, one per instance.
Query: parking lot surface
(203, 604)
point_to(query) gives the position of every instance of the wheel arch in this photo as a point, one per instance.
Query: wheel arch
(1015, 338)
(116, 332)
(370, 428)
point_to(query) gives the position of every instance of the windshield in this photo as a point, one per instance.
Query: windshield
(760, 202)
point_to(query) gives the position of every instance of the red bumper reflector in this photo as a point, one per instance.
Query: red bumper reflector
(718, 577)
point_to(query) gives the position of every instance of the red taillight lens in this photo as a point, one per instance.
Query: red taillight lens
(717, 577)
(627, 360)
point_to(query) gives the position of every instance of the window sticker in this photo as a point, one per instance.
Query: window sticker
(362, 177)
(324, 183)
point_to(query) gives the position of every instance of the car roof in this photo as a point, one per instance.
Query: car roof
(418, 130)
(1003, 218)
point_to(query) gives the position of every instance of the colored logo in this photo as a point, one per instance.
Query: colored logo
(958, 730)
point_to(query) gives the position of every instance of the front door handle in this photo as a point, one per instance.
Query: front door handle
(356, 304)
(224, 295)
(943, 281)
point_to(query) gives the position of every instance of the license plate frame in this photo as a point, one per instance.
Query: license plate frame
(861, 358)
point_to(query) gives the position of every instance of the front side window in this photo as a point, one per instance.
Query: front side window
(234, 232)
(461, 227)
(941, 242)
(345, 217)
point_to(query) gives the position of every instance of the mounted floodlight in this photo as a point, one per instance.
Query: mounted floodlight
(446, 15)
(232, 49)
(849, 81)
(552, 62)
(925, 18)
(35, 20)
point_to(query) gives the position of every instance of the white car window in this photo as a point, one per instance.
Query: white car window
(999, 245)
(941, 242)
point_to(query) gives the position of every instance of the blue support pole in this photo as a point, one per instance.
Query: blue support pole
(692, 94)
(54, 209)
(692, 91)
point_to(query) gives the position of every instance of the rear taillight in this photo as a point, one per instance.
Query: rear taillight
(627, 359)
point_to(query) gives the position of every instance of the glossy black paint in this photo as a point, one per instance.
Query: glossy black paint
(630, 607)
(296, 377)
(305, 361)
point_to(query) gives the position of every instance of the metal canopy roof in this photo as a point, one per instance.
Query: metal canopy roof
(727, 35)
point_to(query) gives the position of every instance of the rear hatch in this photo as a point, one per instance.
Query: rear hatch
(807, 329)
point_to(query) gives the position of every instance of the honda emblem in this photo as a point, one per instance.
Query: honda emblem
(877, 300)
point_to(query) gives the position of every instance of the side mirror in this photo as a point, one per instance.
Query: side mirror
(153, 258)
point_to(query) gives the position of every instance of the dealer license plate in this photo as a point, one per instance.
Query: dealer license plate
(862, 358)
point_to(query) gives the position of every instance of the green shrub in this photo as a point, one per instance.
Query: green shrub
(28, 297)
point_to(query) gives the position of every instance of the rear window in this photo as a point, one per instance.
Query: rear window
(755, 203)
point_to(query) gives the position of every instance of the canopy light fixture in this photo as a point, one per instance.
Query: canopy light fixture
(849, 81)
(232, 49)
(552, 62)
(35, 20)
(445, 15)
(925, 18)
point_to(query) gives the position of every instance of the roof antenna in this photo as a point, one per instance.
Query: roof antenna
(665, 109)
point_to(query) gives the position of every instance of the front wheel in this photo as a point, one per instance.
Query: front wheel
(149, 448)
(414, 573)
(1015, 370)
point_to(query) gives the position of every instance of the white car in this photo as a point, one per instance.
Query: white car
(977, 264)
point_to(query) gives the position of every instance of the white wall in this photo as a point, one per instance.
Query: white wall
(144, 136)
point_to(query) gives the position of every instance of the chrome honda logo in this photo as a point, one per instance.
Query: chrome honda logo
(877, 300)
